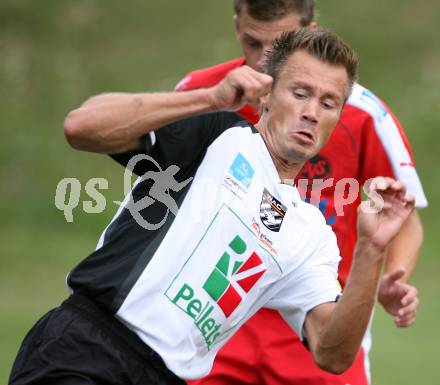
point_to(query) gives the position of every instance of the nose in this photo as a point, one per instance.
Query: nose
(309, 112)
(262, 56)
(260, 62)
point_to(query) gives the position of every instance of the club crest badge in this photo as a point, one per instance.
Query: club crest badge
(272, 211)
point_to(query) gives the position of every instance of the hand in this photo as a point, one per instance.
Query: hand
(241, 86)
(398, 299)
(385, 211)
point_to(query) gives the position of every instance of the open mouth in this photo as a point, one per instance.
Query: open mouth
(304, 136)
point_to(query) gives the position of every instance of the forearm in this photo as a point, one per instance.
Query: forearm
(342, 334)
(405, 247)
(336, 330)
(112, 123)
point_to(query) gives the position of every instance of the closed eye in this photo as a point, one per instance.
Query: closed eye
(253, 43)
(329, 104)
(299, 94)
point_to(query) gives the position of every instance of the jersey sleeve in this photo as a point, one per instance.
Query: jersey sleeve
(312, 285)
(385, 150)
(184, 84)
(182, 143)
(208, 77)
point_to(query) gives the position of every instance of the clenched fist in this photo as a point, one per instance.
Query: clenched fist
(242, 86)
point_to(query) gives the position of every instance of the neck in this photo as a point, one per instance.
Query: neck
(286, 170)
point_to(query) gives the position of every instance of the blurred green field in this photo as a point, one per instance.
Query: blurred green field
(54, 54)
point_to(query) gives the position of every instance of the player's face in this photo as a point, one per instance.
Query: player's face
(304, 107)
(255, 36)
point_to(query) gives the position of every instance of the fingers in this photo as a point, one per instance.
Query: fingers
(399, 299)
(405, 322)
(254, 84)
(384, 192)
(406, 315)
(242, 85)
(388, 185)
(410, 200)
(410, 296)
(394, 276)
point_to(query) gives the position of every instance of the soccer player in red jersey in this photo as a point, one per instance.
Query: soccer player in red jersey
(368, 141)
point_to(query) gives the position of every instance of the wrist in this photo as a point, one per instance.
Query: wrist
(213, 100)
(372, 251)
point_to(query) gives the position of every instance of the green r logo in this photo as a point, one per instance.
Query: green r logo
(220, 284)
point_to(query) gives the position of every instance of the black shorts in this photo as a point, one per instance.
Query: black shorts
(80, 343)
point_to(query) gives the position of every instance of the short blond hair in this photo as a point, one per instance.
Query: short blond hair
(320, 43)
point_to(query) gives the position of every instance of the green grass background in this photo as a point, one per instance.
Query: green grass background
(54, 54)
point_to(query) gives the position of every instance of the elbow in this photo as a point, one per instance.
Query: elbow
(334, 363)
(74, 131)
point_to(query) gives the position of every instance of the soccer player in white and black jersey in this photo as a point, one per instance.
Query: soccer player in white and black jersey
(154, 306)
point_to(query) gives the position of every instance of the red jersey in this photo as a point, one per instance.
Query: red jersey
(368, 141)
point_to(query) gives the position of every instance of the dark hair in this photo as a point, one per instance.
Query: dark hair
(320, 43)
(266, 10)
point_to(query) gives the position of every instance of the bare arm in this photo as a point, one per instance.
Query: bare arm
(335, 330)
(113, 123)
(340, 327)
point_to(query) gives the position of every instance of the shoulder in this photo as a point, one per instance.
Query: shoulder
(313, 219)
(362, 101)
(366, 112)
(236, 133)
(311, 214)
(320, 236)
(207, 77)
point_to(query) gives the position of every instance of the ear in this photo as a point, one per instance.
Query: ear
(264, 103)
(313, 25)
(236, 24)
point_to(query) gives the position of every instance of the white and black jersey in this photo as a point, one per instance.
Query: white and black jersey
(240, 240)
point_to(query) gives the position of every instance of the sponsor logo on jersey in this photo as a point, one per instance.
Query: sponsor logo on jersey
(201, 311)
(232, 278)
(219, 284)
(263, 238)
(239, 176)
(316, 168)
(272, 211)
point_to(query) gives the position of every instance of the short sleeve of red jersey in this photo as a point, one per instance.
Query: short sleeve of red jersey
(384, 149)
(209, 77)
